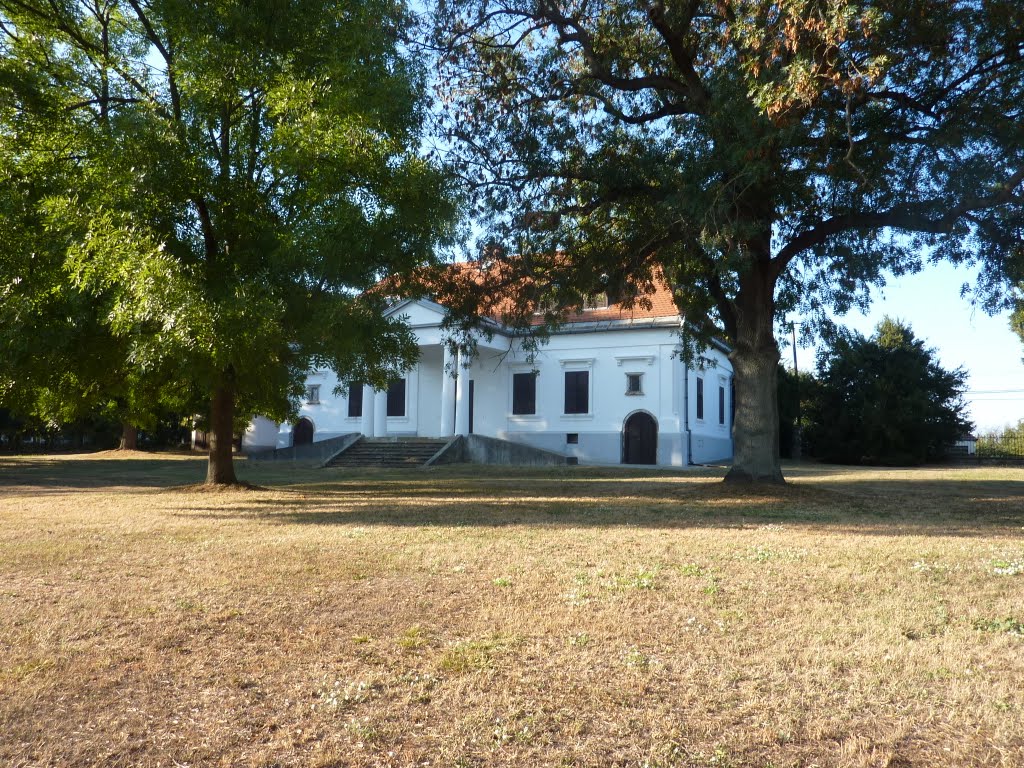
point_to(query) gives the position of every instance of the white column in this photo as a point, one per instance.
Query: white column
(462, 397)
(366, 427)
(448, 393)
(380, 413)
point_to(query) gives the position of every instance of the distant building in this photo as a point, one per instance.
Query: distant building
(965, 446)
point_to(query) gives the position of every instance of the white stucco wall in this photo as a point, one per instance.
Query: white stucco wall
(260, 435)
(711, 439)
(609, 356)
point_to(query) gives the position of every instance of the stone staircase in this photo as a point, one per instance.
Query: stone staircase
(388, 452)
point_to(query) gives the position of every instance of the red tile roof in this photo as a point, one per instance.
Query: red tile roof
(496, 292)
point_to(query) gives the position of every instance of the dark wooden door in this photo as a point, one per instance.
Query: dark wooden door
(640, 440)
(302, 434)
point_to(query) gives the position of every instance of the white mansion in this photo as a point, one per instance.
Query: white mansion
(608, 388)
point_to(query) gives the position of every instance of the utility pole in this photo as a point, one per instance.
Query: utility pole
(796, 384)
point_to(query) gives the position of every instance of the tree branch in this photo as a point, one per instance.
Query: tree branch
(570, 31)
(915, 217)
(681, 55)
(667, 110)
(101, 99)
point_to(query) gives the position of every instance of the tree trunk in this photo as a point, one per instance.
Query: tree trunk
(129, 437)
(220, 469)
(755, 360)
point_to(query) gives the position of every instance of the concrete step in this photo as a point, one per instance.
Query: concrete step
(388, 452)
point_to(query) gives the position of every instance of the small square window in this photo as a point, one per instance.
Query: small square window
(634, 383)
(313, 394)
(572, 438)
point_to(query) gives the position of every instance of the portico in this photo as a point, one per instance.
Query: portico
(437, 394)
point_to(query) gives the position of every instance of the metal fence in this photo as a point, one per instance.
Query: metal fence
(1007, 445)
(991, 446)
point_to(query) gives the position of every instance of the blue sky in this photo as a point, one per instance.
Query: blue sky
(961, 334)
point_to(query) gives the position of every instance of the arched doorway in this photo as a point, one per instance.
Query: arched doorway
(640, 439)
(302, 432)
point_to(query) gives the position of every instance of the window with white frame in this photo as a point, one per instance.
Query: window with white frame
(524, 393)
(313, 394)
(577, 392)
(700, 399)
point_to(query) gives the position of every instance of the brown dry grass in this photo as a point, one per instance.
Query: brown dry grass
(508, 617)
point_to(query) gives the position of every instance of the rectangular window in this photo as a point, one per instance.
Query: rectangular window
(313, 394)
(396, 398)
(721, 404)
(524, 394)
(577, 392)
(572, 438)
(355, 400)
(634, 383)
(700, 399)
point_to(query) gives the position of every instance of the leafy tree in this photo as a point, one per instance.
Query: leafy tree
(885, 400)
(52, 338)
(1017, 317)
(763, 156)
(796, 393)
(232, 176)
(62, 363)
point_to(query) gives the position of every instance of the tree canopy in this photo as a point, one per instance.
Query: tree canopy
(215, 184)
(765, 157)
(1017, 316)
(885, 400)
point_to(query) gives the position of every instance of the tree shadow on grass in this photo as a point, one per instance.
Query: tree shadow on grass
(34, 476)
(887, 502)
(898, 511)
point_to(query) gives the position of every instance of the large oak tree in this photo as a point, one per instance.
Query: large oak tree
(232, 177)
(763, 156)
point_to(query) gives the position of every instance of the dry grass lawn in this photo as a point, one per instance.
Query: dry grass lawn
(508, 617)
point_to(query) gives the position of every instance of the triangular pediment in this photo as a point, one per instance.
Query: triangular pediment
(419, 312)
